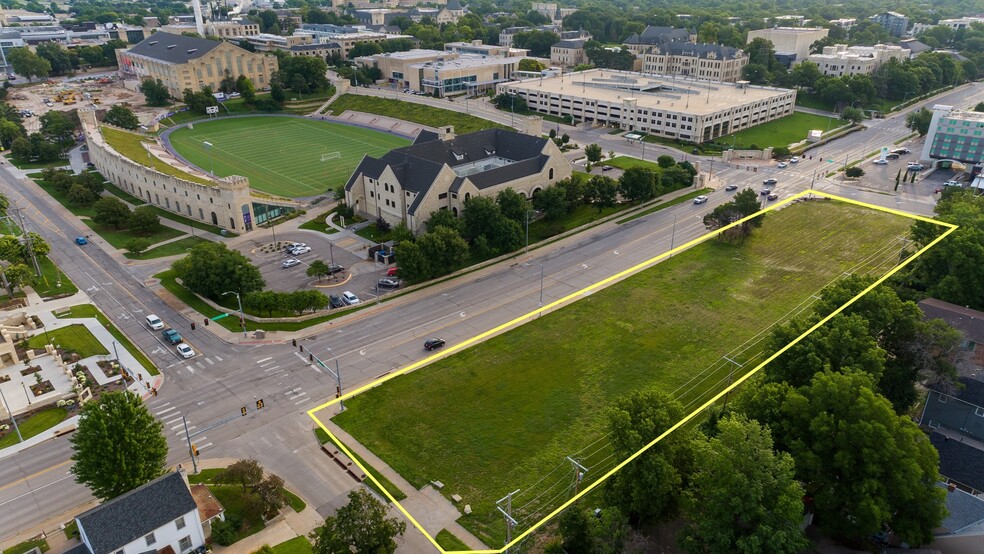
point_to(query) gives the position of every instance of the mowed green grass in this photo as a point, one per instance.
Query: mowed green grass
(282, 155)
(499, 416)
(781, 132)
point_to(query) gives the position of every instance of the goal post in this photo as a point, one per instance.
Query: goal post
(330, 156)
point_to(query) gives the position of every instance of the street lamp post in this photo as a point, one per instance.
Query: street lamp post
(338, 379)
(208, 150)
(12, 418)
(242, 318)
(528, 212)
(331, 258)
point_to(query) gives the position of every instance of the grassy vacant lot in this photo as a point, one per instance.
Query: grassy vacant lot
(131, 145)
(88, 310)
(501, 415)
(409, 111)
(37, 423)
(781, 132)
(53, 282)
(74, 338)
(170, 249)
(282, 155)
(119, 237)
(449, 542)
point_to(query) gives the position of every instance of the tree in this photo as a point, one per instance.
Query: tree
(805, 74)
(111, 212)
(121, 116)
(22, 149)
(61, 61)
(593, 153)
(919, 121)
(444, 249)
(18, 275)
(854, 115)
(602, 192)
(649, 488)
(57, 126)
(271, 492)
(360, 524)
(144, 221)
(552, 202)
(665, 161)
(79, 195)
(513, 205)
(743, 496)
(853, 172)
(28, 64)
(638, 184)
(479, 216)
(530, 64)
(318, 268)
(979, 107)
(118, 445)
(246, 89)
(211, 269)
(538, 42)
(246, 473)
(155, 92)
(11, 249)
(445, 218)
(414, 266)
(511, 102)
(277, 91)
(137, 246)
(745, 204)
(9, 132)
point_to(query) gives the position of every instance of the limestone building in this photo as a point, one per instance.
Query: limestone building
(704, 61)
(842, 59)
(791, 44)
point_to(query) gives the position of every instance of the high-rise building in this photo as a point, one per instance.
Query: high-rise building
(895, 23)
(955, 135)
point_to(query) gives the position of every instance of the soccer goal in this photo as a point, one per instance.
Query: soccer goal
(330, 156)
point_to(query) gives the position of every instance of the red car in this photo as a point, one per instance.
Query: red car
(391, 272)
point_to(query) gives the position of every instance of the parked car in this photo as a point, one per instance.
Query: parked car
(607, 168)
(290, 262)
(794, 159)
(434, 343)
(334, 301)
(782, 165)
(902, 150)
(388, 283)
(773, 196)
(172, 336)
(891, 156)
(880, 161)
(770, 182)
(391, 272)
(292, 245)
(952, 183)
(731, 187)
(915, 167)
(335, 268)
(700, 199)
(349, 298)
(185, 351)
(299, 250)
(154, 322)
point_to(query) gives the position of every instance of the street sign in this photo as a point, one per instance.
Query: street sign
(218, 317)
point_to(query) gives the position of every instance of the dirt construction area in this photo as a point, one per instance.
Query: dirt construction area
(87, 90)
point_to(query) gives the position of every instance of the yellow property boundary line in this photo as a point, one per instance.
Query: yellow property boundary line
(596, 286)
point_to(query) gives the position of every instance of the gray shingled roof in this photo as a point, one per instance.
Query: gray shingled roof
(454, 5)
(659, 35)
(578, 43)
(126, 518)
(959, 461)
(173, 48)
(963, 510)
(970, 322)
(698, 50)
(304, 47)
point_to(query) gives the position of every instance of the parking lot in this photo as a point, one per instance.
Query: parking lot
(360, 275)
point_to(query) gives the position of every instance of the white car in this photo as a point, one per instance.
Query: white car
(185, 351)
(289, 263)
(349, 298)
(782, 165)
(700, 200)
(952, 183)
(794, 159)
(880, 161)
(299, 250)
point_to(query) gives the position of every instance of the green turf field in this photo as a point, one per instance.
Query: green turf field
(781, 132)
(282, 155)
(504, 414)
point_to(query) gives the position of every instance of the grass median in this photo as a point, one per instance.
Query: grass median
(88, 310)
(410, 111)
(474, 422)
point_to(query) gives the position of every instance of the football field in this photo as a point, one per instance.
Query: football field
(287, 156)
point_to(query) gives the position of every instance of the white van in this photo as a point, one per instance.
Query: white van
(155, 322)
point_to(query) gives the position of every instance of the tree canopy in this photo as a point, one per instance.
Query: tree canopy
(118, 445)
(211, 269)
(361, 524)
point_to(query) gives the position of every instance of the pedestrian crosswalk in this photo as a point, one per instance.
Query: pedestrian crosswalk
(294, 393)
(174, 422)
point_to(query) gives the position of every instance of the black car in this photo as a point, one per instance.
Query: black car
(389, 283)
(731, 187)
(763, 192)
(335, 301)
(335, 268)
(431, 344)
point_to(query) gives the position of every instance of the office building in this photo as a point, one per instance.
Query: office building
(791, 44)
(703, 61)
(842, 59)
(895, 23)
(690, 110)
(955, 135)
(265, 42)
(568, 53)
(477, 48)
(9, 39)
(640, 43)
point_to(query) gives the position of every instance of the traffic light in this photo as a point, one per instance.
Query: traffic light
(206, 322)
(194, 450)
(259, 404)
(302, 348)
(338, 392)
(293, 341)
(154, 391)
(310, 357)
(192, 325)
(242, 410)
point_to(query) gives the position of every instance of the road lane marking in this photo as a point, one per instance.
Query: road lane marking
(166, 410)
(264, 360)
(35, 474)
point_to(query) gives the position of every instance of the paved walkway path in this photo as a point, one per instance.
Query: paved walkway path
(814, 111)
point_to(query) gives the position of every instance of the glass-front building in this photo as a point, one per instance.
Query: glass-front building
(955, 135)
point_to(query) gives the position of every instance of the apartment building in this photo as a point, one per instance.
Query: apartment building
(895, 23)
(842, 59)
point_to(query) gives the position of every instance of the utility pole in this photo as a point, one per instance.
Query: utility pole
(27, 240)
(191, 448)
(12, 418)
(337, 374)
(731, 373)
(579, 472)
(507, 513)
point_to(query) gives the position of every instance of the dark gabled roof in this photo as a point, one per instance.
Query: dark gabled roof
(963, 510)
(418, 165)
(970, 322)
(454, 5)
(173, 48)
(959, 462)
(578, 43)
(659, 35)
(970, 391)
(79, 549)
(305, 47)
(915, 46)
(697, 50)
(126, 518)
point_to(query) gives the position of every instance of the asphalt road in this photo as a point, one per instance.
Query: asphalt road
(214, 386)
